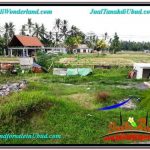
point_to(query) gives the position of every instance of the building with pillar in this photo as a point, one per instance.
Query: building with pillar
(24, 46)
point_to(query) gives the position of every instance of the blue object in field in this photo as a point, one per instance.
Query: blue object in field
(120, 104)
(114, 106)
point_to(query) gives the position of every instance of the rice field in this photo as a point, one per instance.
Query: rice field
(108, 59)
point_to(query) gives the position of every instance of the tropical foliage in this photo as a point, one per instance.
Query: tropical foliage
(64, 35)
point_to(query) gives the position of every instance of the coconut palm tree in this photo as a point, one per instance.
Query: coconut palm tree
(74, 30)
(51, 39)
(57, 25)
(43, 31)
(30, 25)
(64, 28)
(6, 32)
(23, 29)
(37, 30)
(56, 31)
(9, 31)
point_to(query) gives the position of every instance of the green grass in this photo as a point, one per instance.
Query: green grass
(61, 105)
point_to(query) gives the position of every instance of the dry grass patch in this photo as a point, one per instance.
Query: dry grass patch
(97, 61)
(83, 99)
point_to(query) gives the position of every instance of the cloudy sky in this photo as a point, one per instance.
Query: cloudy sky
(129, 27)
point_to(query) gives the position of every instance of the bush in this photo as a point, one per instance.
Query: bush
(102, 96)
(45, 60)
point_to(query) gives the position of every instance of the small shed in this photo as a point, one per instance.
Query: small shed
(142, 70)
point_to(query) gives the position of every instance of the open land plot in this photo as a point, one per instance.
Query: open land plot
(68, 106)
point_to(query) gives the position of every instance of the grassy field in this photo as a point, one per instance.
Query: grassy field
(109, 59)
(68, 106)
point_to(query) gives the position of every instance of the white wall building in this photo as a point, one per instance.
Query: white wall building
(83, 48)
(55, 50)
(142, 70)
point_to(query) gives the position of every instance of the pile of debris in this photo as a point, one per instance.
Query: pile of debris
(12, 87)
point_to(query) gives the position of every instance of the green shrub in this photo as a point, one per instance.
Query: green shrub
(46, 60)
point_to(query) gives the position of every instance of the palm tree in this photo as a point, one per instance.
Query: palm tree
(74, 30)
(43, 31)
(50, 35)
(9, 31)
(30, 25)
(36, 30)
(51, 39)
(56, 31)
(64, 28)
(57, 25)
(23, 29)
(6, 33)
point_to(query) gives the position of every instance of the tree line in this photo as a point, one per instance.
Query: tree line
(62, 35)
(134, 46)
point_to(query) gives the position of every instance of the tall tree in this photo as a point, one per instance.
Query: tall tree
(2, 46)
(30, 25)
(57, 29)
(58, 24)
(74, 31)
(101, 45)
(9, 31)
(72, 42)
(36, 30)
(43, 31)
(64, 28)
(23, 29)
(91, 39)
(51, 39)
(115, 44)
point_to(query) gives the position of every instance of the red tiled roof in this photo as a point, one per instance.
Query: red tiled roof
(29, 41)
